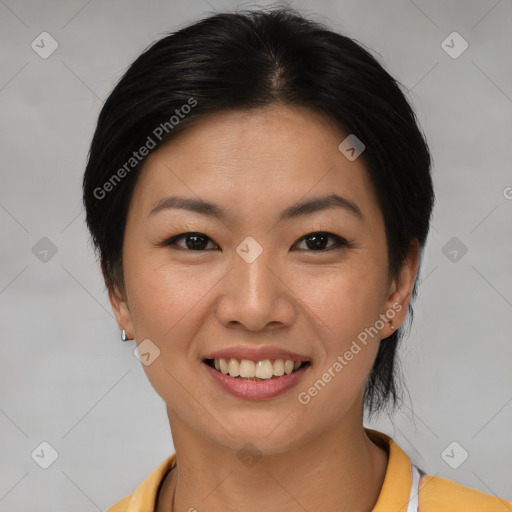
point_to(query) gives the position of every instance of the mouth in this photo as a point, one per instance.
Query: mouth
(257, 371)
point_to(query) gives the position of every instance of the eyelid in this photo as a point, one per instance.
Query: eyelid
(340, 242)
(170, 242)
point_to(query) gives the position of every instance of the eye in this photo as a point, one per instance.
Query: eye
(317, 241)
(193, 241)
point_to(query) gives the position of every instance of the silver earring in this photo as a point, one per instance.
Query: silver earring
(123, 335)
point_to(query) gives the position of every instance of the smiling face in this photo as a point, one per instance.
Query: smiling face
(259, 277)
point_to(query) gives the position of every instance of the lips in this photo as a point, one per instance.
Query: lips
(256, 389)
(256, 373)
(255, 363)
(255, 370)
(256, 354)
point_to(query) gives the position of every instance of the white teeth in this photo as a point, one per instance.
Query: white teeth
(265, 369)
(278, 367)
(247, 368)
(234, 368)
(288, 367)
(223, 366)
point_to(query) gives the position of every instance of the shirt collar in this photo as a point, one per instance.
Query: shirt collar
(144, 497)
(394, 494)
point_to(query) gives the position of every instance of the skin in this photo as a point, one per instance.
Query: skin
(189, 303)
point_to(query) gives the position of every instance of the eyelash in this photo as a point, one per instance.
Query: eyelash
(339, 241)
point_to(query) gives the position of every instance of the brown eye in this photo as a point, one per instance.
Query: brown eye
(318, 241)
(192, 241)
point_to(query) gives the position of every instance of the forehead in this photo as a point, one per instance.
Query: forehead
(265, 158)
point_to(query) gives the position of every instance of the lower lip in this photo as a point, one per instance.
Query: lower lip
(256, 390)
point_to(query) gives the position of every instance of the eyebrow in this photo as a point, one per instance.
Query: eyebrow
(298, 210)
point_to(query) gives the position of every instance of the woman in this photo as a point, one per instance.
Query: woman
(259, 194)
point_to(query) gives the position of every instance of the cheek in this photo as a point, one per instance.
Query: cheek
(165, 300)
(346, 300)
(346, 303)
(166, 309)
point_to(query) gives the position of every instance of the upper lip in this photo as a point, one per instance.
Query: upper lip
(255, 354)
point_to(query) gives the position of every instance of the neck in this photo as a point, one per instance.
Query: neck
(341, 470)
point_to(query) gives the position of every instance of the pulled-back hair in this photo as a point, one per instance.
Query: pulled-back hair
(248, 60)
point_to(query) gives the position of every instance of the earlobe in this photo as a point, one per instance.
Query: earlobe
(122, 312)
(402, 288)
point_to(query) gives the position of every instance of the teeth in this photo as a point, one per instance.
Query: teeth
(247, 369)
(223, 366)
(233, 368)
(278, 367)
(263, 370)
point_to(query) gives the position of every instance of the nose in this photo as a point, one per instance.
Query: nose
(256, 296)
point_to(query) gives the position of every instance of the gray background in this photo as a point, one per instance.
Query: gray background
(66, 378)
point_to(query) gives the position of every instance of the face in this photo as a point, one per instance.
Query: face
(255, 276)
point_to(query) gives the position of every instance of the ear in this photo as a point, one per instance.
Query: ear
(400, 291)
(121, 311)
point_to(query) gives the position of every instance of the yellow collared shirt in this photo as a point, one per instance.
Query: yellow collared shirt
(402, 490)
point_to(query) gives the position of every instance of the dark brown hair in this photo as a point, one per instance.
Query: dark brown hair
(247, 60)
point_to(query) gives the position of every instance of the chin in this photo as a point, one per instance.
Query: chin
(269, 432)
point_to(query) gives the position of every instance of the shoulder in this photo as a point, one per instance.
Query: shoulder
(144, 498)
(443, 495)
(121, 506)
(434, 494)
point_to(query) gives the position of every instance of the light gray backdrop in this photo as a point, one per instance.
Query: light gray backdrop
(65, 377)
